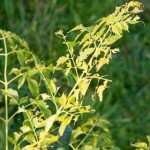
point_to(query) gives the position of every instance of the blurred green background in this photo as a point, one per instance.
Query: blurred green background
(127, 101)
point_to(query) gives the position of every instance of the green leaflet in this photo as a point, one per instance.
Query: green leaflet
(25, 128)
(33, 86)
(51, 85)
(49, 139)
(23, 100)
(21, 58)
(21, 81)
(44, 108)
(112, 39)
(15, 71)
(79, 27)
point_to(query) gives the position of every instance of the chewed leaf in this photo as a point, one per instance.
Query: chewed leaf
(84, 54)
(102, 62)
(125, 26)
(101, 89)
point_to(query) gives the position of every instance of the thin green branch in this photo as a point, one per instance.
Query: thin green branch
(2, 82)
(72, 57)
(14, 78)
(87, 135)
(2, 119)
(9, 53)
(47, 85)
(78, 81)
(72, 147)
(6, 88)
(13, 115)
(30, 120)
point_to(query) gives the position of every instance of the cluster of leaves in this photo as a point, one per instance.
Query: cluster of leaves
(93, 135)
(142, 145)
(37, 93)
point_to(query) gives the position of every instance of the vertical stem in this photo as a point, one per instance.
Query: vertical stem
(6, 97)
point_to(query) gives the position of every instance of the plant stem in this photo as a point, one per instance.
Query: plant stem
(87, 135)
(2, 119)
(6, 97)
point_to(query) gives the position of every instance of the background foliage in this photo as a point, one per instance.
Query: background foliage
(126, 103)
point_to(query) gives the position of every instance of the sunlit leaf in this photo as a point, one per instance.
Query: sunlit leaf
(140, 145)
(17, 136)
(52, 86)
(102, 62)
(61, 60)
(112, 39)
(11, 93)
(79, 27)
(63, 125)
(83, 86)
(84, 54)
(101, 89)
(63, 100)
(25, 129)
(49, 122)
(15, 71)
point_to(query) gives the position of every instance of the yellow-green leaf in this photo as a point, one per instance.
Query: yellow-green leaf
(25, 128)
(79, 27)
(101, 62)
(63, 100)
(61, 60)
(49, 122)
(21, 82)
(140, 145)
(101, 89)
(63, 125)
(83, 86)
(84, 54)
